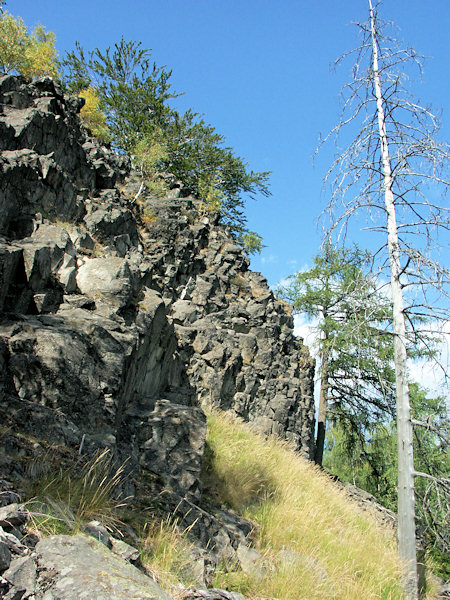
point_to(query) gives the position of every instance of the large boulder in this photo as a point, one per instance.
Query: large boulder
(108, 280)
(79, 567)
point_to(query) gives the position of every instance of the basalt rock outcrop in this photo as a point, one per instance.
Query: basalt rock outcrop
(123, 318)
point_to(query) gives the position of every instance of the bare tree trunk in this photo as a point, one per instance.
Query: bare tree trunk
(323, 407)
(406, 511)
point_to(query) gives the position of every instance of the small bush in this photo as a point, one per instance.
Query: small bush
(148, 216)
(149, 155)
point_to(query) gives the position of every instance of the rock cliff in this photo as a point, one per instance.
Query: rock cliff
(122, 319)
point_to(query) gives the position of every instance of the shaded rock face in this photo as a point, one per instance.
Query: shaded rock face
(86, 348)
(117, 335)
(49, 164)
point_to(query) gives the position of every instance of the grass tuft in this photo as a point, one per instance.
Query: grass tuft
(64, 501)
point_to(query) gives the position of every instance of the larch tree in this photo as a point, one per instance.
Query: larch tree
(393, 169)
(354, 350)
(370, 462)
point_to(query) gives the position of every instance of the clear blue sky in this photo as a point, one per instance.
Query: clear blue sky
(259, 71)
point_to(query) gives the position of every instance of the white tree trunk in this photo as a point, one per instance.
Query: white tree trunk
(406, 512)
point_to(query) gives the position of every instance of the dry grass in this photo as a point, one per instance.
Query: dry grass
(64, 501)
(316, 543)
(167, 554)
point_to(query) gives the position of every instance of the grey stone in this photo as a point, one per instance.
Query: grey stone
(125, 551)
(99, 532)
(49, 252)
(79, 301)
(12, 514)
(251, 561)
(5, 556)
(79, 567)
(22, 575)
(219, 534)
(184, 311)
(81, 239)
(210, 594)
(110, 221)
(11, 269)
(175, 448)
(8, 494)
(47, 301)
(107, 280)
(11, 540)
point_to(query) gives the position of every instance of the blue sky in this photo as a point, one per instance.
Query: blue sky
(259, 71)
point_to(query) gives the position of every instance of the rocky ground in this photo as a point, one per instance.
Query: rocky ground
(91, 565)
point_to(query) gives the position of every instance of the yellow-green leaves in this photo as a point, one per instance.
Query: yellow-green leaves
(30, 54)
(210, 192)
(13, 34)
(92, 116)
(40, 54)
(149, 154)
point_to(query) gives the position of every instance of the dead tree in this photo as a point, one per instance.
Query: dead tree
(392, 170)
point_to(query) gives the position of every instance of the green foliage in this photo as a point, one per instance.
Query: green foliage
(211, 194)
(133, 92)
(134, 95)
(149, 155)
(252, 242)
(29, 54)
(13, 34)
(351, 315)
(370, 462)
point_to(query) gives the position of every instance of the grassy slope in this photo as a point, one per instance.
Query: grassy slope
(316, 543)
